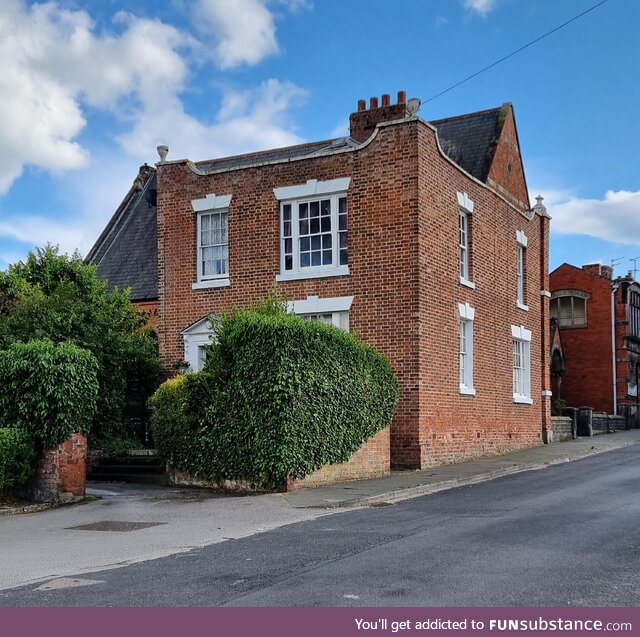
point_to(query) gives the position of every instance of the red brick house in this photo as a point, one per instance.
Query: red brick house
(599, 321)
(419, 235)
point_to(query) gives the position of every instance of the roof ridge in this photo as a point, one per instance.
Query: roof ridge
(266, 151)
(466, 115)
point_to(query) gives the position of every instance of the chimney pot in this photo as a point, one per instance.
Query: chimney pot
(386, 100)
(362, 105)
(373, 103)
(402, 97)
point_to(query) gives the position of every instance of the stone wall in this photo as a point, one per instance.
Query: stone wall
(562, 428)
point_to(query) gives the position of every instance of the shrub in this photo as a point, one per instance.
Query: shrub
(60, 298)
(179, 404)
(17, 454)
(48, 390)
(283, 397)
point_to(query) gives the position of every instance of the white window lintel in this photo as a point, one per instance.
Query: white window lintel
(316, 305)
(311, 188)
(521, 238)
(521, 333)
(466, 311)
(464, 201)
(211, 202)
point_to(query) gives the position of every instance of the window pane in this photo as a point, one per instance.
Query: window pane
(286, 212)
(342, 205)
(305, 259)
(304, 210)
(304, 226)
(325, 224)
(327, 257)
(342, 222)
(315, 226)
(314, 209)
(305, 244)
(325, 207)
(315, 258)
(326, 241)
(315, 242)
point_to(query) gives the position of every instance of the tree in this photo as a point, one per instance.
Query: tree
(59, 297)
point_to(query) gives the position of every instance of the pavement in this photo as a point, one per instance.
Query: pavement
(401, 485)
(127, 524)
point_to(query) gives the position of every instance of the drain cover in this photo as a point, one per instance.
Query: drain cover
(122, 527)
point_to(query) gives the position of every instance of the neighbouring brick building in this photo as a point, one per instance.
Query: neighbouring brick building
(418, 235)
(599, 322)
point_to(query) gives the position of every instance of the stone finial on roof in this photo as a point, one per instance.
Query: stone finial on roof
(540, 208)
(163, 151)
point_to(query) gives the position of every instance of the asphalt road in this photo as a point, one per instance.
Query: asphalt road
(564, 536)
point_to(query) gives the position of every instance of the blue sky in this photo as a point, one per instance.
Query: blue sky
(89, 89)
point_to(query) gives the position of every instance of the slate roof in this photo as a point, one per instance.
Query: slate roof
(126, 253)
(470, 140)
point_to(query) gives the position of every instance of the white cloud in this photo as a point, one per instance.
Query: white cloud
(248, 120)
(483, 7)
(614, 218)
(244, 30)
(54, 64)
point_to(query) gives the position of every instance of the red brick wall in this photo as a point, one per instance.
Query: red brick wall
(454, 426)
(150, 307)
(587, 350)
(60, 474)
(507, 173)
(403, 224)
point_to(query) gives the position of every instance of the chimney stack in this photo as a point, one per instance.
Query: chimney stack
(597, 269)
(363, 122)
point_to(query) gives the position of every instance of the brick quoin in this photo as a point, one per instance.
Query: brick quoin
(404, 276)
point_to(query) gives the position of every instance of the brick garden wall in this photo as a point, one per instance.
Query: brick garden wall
(60, 474)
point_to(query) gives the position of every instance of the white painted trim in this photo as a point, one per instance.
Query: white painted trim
(466, 311)
(521, 333)
(311, 188)
(211, 202)
(548, 393)
(464, 201)
(521, 238)
(316, 305)
(341, 270)
(467, 284)
(522, 400)
(522, 306)
(467, 391)
(545, 293)
(211, 283)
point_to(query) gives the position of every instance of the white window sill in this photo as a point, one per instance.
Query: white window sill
(522, 400)
(467, 391)
(467, 284)
(210, 283)
(521, 306)
(313, 274)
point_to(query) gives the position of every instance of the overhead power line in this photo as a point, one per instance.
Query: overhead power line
(522, 48)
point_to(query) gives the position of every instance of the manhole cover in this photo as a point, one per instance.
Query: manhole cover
(122, 527)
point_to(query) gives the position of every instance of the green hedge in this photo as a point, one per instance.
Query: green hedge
(49, 390)
(17, 454)
(279, 397)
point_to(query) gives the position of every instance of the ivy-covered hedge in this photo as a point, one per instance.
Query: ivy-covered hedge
(49, 390)
(17, 455)
(279, 397)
